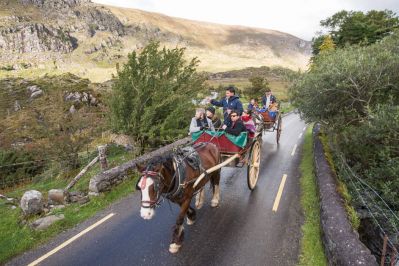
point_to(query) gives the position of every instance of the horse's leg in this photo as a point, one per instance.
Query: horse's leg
(215, 181)
(178, 231)
(191, 216)
(200, 198)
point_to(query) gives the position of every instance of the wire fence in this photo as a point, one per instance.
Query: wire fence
(32, 165)
(385, 220)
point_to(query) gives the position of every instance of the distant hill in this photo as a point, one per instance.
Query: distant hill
(87, 39)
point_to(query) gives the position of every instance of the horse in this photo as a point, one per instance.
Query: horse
(162, 177)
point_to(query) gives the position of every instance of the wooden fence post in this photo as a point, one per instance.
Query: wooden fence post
(103, 157)
(384, 250)
(394, 256)
(81, 173)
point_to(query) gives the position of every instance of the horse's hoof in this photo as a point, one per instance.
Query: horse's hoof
(214, 203)
(174, 248)
(190, 222)
(199, 205)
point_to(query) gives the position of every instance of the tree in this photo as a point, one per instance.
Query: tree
(327, 45)
(152, 98)
(344, 86)
(258, 86)
(354, 93)
(323, 43)
(355, 27)
(316, 42)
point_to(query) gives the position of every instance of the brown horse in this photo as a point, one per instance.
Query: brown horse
(173, 178)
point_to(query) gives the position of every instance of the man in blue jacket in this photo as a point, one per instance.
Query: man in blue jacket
(268, 99)
(229, 103)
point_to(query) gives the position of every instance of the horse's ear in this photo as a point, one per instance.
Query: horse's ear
(140, 167)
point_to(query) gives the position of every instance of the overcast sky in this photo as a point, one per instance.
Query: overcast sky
(298, 17)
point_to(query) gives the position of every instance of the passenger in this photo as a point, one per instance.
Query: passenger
(210, 113)
(248, 122)
(253, 105)
(200, 122)
(268, 99)
(236, 126)
(230, 102)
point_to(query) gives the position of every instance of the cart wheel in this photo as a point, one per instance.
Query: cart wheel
(278, 129)
(253, 165)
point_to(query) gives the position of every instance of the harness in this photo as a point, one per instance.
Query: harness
(178, 182)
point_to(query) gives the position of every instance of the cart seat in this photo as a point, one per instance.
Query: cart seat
(226, 143)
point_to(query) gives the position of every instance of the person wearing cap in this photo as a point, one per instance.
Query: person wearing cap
(268, 99)
(210, 113)
(229, 102)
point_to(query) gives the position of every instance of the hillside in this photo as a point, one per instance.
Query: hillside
(88, 39)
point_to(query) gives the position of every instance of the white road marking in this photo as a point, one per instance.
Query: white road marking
(304, 129)
(66, 243)
(293, 150)
(279, 193)
(300, 135)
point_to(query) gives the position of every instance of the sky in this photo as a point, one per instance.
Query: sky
(297, 17)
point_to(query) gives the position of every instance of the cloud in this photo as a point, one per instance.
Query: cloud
(298, 17)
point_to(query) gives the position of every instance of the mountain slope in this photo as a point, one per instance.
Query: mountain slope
(88, 39)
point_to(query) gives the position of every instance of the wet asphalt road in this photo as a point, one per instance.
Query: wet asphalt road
(243, 230)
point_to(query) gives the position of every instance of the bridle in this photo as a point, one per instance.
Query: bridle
(158, 179)
(174, 188)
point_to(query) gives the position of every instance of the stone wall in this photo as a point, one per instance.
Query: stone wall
(341, 242)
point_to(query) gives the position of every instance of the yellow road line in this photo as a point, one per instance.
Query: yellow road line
(293, 150)
(66, 243)
(279, 193)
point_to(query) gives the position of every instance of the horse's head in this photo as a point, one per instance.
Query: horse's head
(154, 180)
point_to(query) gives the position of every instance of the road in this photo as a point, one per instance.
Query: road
(248, 228)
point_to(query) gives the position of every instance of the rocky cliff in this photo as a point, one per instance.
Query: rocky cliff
(36, 37)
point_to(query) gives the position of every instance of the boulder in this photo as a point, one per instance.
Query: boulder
(17, 106)
(57, 196)
(72, 110)
(35, 91)
(36, 94)
(73, 97)
(32, 89)
(32, 202)
(45, 222)
(78, 197)
(85, 97)
(93, 100)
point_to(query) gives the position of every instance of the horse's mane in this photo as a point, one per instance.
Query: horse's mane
(166, 160)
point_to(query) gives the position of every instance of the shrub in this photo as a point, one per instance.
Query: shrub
(152, 98)
(17, 166)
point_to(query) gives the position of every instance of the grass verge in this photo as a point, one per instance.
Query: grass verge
(17, 237)
(312, 252)
(342, 188)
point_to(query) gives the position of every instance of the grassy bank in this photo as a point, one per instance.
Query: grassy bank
(17, 237)
(312, 252)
